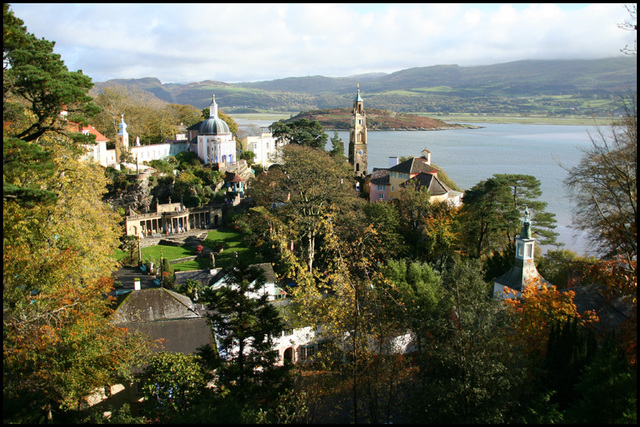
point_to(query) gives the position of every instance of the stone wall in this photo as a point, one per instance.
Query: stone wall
(185, 259)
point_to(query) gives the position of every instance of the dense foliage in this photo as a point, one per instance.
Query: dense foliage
(58, 242)
(247, 325)
(398, 293)
(305, 132)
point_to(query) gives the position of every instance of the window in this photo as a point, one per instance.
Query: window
(381, 196)
(308, 351)
(528, 253)
(519, 250)
(380, 187)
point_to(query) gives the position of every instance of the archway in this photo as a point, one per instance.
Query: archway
(288, 355)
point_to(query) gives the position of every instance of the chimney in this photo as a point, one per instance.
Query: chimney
(427, 155)
(136, 284)
(393, 161)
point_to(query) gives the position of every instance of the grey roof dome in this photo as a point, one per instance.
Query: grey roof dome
(214, 126)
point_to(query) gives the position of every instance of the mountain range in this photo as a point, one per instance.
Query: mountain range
(552, 87)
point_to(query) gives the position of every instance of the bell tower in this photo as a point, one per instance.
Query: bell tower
(122, 140)
(358, 138)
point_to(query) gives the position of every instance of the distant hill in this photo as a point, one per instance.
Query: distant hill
(553, 87)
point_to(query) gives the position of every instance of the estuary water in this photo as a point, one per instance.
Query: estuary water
(469, 156)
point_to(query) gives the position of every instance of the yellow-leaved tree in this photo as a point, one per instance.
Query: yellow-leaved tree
(58, 343)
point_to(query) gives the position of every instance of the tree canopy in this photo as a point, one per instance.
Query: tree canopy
(247, 325)
(302, 132)
(37, 85)
(492, 210)
(605, 187)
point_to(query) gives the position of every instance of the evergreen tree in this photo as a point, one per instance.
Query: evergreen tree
(490, 216)
(570, 347)
(246, 325)
(607, 391)
(301, 132)
(172, 383)
(337, 147)
(168, 274)
(37, 85)
(420, 290)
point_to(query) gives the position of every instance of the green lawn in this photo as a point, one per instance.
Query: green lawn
(119, 255)
(153, 253)
(230, 241)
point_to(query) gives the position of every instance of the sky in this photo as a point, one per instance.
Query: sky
(248, 42)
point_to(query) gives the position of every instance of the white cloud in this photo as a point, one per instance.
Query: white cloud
(250, 42)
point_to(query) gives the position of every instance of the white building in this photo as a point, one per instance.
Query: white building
(146, 153)
(140, 153)
(98, 152)
(216, 144)
(265, 147)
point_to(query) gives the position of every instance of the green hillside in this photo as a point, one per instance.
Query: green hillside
(554, 88)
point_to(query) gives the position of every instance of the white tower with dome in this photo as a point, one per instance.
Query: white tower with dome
(215, 141)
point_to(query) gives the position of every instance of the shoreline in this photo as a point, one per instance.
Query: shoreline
(461, 121)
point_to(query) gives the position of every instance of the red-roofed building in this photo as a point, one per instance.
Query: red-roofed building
(98, 152)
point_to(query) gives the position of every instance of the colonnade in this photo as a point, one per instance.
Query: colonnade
(169, 223)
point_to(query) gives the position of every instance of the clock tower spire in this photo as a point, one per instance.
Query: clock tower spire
(358, 138)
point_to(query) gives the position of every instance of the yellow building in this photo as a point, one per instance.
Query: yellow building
(408, 169)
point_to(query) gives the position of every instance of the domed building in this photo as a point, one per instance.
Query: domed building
(215, 141)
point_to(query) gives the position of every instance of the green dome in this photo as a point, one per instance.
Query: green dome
(214, 126)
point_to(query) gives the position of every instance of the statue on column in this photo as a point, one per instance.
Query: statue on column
(525, 233)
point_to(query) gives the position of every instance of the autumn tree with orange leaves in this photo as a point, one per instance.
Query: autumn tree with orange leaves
(537, 310)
